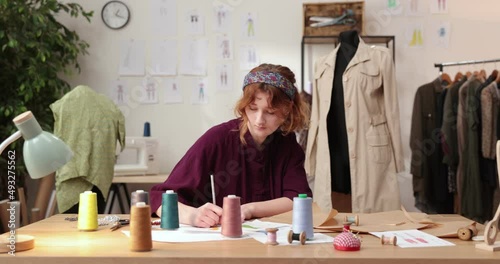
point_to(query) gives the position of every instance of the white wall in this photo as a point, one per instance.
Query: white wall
(474, 28)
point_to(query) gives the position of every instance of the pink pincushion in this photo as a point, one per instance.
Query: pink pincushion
(347, 241)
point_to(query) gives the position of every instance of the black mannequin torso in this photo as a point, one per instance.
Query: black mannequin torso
(336, 126)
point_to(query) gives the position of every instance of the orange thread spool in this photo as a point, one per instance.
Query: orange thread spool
(385, 240)
(231, 217)
(140, 228)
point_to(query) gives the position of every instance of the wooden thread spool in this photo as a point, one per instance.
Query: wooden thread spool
(466, 233)
(385, 240)
(140, 228)
(298, 237)
(271, 236)
(352, 219)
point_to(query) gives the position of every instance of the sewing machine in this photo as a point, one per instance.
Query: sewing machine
(140, 157)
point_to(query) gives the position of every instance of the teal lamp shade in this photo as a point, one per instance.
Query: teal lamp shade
(43, 152)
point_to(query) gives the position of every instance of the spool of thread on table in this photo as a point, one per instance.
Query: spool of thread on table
(388, 240)
(301, 237)
(302, 215)
(147, 130)
(169, 210)
(140, 228)
(271, 236)
(346, 226)
(353, 219)
(139, 196)
(231, 217)
(87, 211)
(466, 233)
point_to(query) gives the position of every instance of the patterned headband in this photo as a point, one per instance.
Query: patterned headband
(272, 78)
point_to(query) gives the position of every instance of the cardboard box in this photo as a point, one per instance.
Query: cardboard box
(342, 16)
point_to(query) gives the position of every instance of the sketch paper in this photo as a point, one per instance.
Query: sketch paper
(119, 92)
(172, 91)
(164, 17)
(416, 8)
(415, 35)
(395, 7)
(414, 239)
(224, 47)
(163, 57)
(194, 57)
(132, 62)
(439, 6)
(224, 77)
(199, 90)
(222, 18)
(249, 58)
(442, 35)
(150, 90)
(194, 22)
(249, 26)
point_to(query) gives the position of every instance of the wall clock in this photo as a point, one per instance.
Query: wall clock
(115, 14)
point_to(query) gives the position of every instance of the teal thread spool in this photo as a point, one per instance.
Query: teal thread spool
(169, 210)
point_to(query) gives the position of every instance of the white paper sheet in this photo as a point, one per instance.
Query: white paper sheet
(222, 18)
(119, 92)
(249, 57)
(249, 27)
(199, 88)
(224, 47)
(194, 22)
(172, 91)
(163, 57)
(224, 77)
(414, 239)
(132, 60)
(194, 57)
(164, 17)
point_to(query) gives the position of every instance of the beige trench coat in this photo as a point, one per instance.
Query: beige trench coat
(373, 130)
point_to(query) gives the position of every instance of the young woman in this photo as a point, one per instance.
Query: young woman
(255, 156)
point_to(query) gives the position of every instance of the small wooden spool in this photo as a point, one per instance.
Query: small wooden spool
(23, 242)
(384, 240)
(271, 236)
(466, 233)
(352, 219)
(299, 237)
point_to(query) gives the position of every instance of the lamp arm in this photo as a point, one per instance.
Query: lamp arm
(9, 140)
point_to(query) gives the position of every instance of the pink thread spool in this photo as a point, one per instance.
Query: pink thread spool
(271, 236)
(231, 217)
(386, 240)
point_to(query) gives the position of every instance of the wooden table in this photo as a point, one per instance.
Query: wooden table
(119, 184)
(59, 241)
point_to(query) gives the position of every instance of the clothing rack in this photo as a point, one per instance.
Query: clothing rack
(445, 64)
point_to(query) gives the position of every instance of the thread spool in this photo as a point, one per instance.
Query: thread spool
(140, 228)
(352, 219)
(271, 236)
(139, 196)
(302, 215)
(346, 227)
(169, 210)
(231, 217)
(466, 233)
(87, 211)
(147, 130)
(386, 240)
(296, 237)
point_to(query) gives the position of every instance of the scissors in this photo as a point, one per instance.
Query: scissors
(491, 229)
(344, 19)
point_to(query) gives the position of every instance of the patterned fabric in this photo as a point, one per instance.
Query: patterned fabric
(272, 78)
(347, 241)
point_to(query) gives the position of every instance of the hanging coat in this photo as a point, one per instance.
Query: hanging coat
(373, 130)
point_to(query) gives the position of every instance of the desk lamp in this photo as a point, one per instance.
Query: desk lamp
(43, 154)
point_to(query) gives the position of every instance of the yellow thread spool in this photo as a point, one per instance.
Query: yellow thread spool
(87, 211)
(140, 228)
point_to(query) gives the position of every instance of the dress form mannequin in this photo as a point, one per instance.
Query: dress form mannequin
(336, 125)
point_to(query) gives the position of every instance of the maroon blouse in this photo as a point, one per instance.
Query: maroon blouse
(276, 171)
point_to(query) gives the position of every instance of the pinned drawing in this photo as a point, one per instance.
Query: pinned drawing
(414, 36)
(224, 74)
(150, 90)
(172, 91)
(249, 25)
(164, 57)
(164, 17)
(416, 8)
(222, 18)
(199, 91)
(194, 22)
(119, 92)
(442, 35)
(194, 57)
(132, 62)
(439, 7)
(248, 57)
(224, 48)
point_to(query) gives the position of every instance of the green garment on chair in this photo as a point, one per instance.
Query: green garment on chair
(90, 124)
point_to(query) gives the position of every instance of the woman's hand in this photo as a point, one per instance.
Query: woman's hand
(207, 215)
